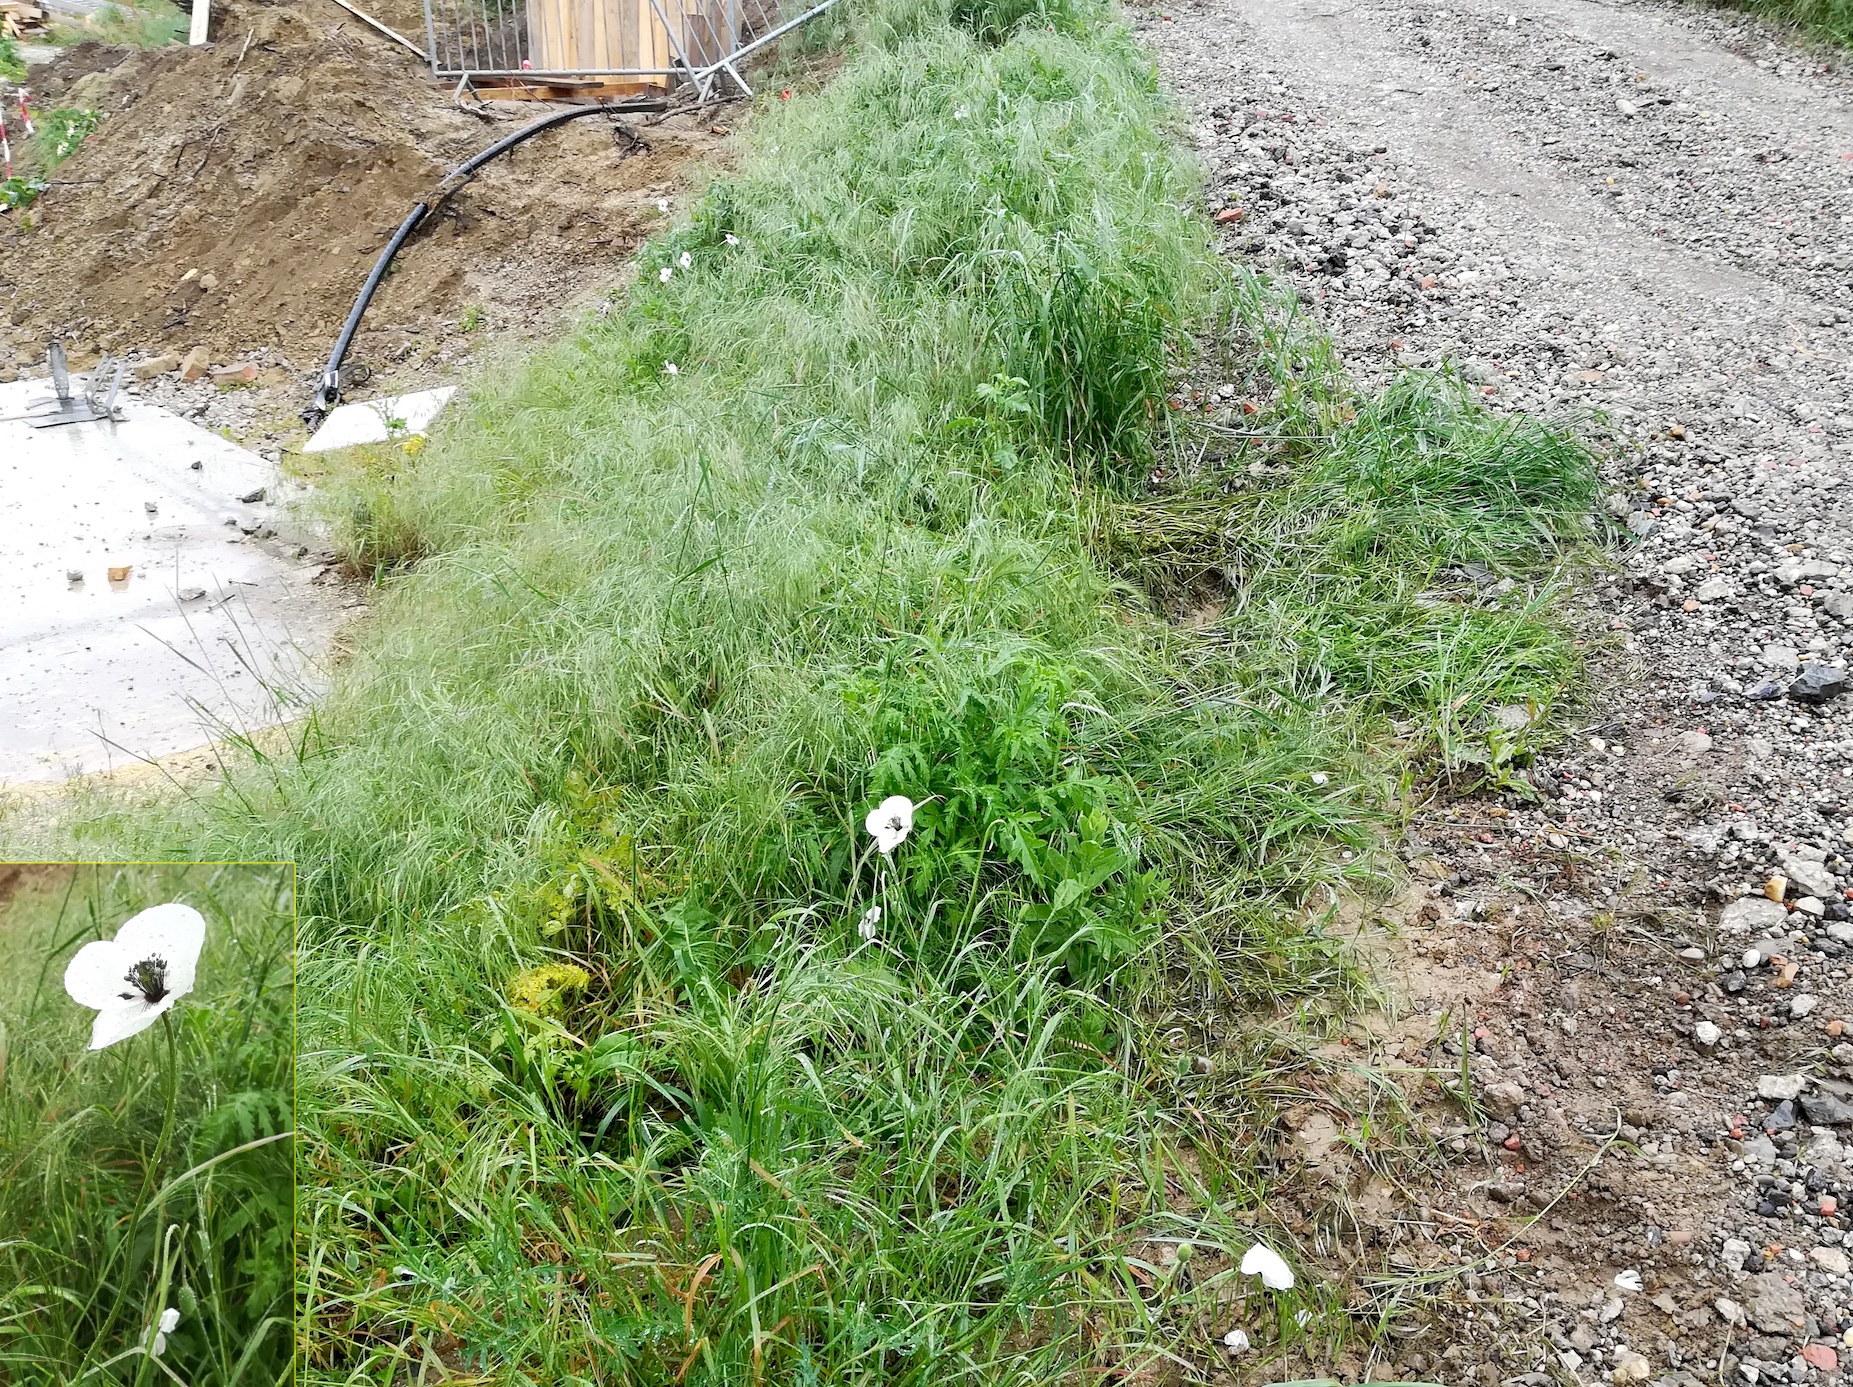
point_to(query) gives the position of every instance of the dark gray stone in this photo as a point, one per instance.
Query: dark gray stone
(1824, 1110)
(1818, 683)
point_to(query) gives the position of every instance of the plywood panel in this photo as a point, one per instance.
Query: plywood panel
(595, 35)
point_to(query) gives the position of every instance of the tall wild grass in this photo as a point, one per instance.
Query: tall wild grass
(872, 485)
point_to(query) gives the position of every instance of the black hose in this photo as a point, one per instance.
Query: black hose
(328, 392)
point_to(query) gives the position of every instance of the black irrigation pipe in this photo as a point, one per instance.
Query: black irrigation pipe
(328, 393)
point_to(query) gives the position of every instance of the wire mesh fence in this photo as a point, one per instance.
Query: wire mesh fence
(641, 43)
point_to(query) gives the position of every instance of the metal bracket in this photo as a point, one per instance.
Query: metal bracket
(66, 408)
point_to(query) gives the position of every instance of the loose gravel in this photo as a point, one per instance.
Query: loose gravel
(1637, 217)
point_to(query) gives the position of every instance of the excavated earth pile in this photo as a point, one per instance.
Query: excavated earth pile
(235, 195)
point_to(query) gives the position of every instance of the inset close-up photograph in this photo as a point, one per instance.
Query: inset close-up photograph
(147, 1107)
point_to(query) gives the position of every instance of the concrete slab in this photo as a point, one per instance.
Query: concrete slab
(373, 421)
(211, 623)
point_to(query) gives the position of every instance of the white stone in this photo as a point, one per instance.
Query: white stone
(1811, 876)
(99, 672)
(1753, 914)
(1631, 1367)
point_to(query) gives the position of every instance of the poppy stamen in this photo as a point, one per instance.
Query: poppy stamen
(149, 979)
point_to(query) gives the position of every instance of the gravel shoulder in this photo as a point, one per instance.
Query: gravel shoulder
(1639, 217)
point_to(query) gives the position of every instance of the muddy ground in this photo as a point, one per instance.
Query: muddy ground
(1638, 217)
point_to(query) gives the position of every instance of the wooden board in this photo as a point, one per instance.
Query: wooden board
(587, 35)
(557, 89)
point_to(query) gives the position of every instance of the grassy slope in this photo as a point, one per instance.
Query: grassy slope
(81, 1278)
(894, 524)
(1825, 19)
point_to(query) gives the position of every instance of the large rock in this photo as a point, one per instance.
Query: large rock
(1811, 878)
(1825, 1110)
(1802, 570)
(1753, 915)
(1818, 683)
(1504, 1100)
(1774, 1306)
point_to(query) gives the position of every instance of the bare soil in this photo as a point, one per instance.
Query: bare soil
(236, 195)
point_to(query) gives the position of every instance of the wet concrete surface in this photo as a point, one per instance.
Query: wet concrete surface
(154, 593)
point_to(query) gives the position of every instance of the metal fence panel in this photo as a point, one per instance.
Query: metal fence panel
(649, 42)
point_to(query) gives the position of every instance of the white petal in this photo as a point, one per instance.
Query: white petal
(890, 822)
(1268, 1264)
(111, 1026)
(1236, 1341)
(174, 933)
(170, 1319)
(97, 975)
(160, 1344)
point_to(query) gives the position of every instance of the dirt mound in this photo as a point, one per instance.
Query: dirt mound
(236, 194)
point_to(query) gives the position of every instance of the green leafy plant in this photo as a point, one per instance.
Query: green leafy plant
(60, 131)
(20, 191)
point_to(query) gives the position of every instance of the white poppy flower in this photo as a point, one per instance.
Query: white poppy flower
(671, 369)
(685, 260)
(170, 1317)
(1236, 1341)
(732, 239)
(871, 921)
(665, 274)
(1268, 1264)
(890, 822)
(133, 979)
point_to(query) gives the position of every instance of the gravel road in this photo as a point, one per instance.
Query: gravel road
(1639, 216)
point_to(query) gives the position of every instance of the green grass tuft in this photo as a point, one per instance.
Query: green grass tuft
(1829, 20)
